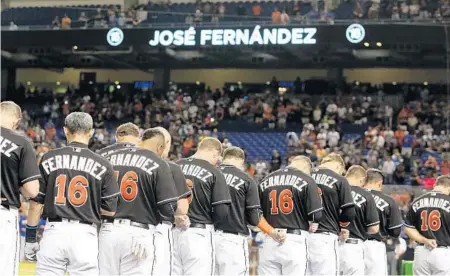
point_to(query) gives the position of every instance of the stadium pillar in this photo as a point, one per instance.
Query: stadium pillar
(335, 75)
(9, 85)
(161, 78)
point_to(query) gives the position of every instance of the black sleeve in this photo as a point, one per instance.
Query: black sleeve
(316, 217)
(167, 211)
(252, 196)
(110, 191)
(411, 220)
(395, 232)
(180, 181)
(165, 185)
(220, 192)
(253, 216)
(347, 214)
(42, 184)
(220, 212)
(28, 168)
(312, 201)
(371, 214)
(345, 195)
(395, 216)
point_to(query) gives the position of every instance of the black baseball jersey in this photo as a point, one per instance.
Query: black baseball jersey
(114, 147)
(76, 183)
(336, 194)
(145, 181)
(180, 181)
(208, 187)
(366, 213)
(244, 196)
(430, 215)
(388, 212)
(18, 166)
(288, 198)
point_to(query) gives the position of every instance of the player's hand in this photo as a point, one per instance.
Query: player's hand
(139, 247)
(182, 222)
(430, 244)
(30, 250)
(278, 236)
(313, 227)
(344, 235)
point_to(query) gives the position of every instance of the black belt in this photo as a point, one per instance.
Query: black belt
(439, 246)
(132, 223)
(69, 220)
(353, 241)
(294, 231)
(234, 233)
(198, 225)
(325, 232)
(5, 206)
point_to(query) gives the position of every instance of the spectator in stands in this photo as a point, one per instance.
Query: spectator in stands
(65, 22)
(276, 16)
(99, 18)
(399, 174)
(189, 19)
(395, 15)
(423, 13)
(226, 143)
(292, 139)
(432, 163)
(83, 17)
(12, 26)
(388, 169)
(112, 18)
(198, 16)
(56, 23)
(261, 168)
(333, 138)
(121, 20)
(240, 10)
(256, 9)
(221, 10)
(275, 162)
(284, 17)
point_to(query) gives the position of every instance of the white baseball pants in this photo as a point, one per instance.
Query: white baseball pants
(68, 247)
(115, 249)
(288, 258)
(431, 262)
(9, 241)
(231, 254)
(323, 254)
(164, 244)
(375, 259)
(351, 257)
(194, 251)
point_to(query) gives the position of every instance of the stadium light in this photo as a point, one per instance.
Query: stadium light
(75, 47)
(118, 86)
(197, 83)
(379, 44)
(28, 83)
(394, 83)
(116, 82)
(425, 83)
(58, 83)
(367, 44)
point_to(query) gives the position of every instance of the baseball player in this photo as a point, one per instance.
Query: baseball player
(127, 135)
(76, 188)
(209, 203)
(148, 196)
(232, 233)
(428, 223)
(390, 225)
(19, 175)
(290, 201)
(164, 236)
(338, 209)
(351, 248)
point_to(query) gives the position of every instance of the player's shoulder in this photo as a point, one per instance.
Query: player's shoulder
(149, 154)
(15, 137)
(328, 172)
(365, 193)
(229, 169)
(431, 194)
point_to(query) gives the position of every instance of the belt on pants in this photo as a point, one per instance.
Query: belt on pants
(325, 233)
(439, 246)
(234, 233)
(294, 231)
(70, 220)
(9, 207)
(198, 225)
(353, 241)
(126, 222)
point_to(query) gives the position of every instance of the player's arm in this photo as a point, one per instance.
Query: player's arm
(347, 205)
(220, 199)
(394, 223)
(166, 192)
(372, 219)
(253, 209)
(412, 232)
(312, 202)
(182, 188)
(28, 172)
(110, 191)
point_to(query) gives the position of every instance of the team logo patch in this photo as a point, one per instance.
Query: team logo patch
(355, 33)
(115, 37)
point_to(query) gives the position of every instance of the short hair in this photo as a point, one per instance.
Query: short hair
(164, 132)
(374, 175)
(443, 181)
(210, 143)
(333, 157)
(152, 133)
(233, 152)
(356, 171)
(78, 122)
(128, 129)
(11, 108)
(301, 158)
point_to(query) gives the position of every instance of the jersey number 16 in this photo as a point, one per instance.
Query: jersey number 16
(430, 221)
(283, 202)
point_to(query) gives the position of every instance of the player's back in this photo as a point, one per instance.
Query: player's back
(388, 212)
(74, 180)
(366, 213)
(244, 195)
(137, 173)
(430, 215)
(201, 177)
(287, 198)
(16, 169)
(336, 194)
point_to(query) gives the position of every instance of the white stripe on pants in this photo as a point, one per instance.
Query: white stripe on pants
(431, 262)
(9, 241)
(231, 254)
(351, 258)
(323, 254)
(164, 243)
(375, 259)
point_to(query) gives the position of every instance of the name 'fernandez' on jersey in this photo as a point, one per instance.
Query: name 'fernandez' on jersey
(145, 181)
(75, 183)
(244, 196)
(289, 198)
(366, 213)
(208, 187)
(430, 215)
(388, 213)
(336, 195)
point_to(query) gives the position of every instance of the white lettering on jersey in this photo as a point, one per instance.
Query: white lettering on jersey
(133, 160)
(358, 199)
(284, 180)
(7, 147)
(432, 202)
(324, 179)
(381, 203)
(196, 171)
(74, 162)
(233, 181)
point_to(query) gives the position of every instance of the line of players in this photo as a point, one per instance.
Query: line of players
(317, 221)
